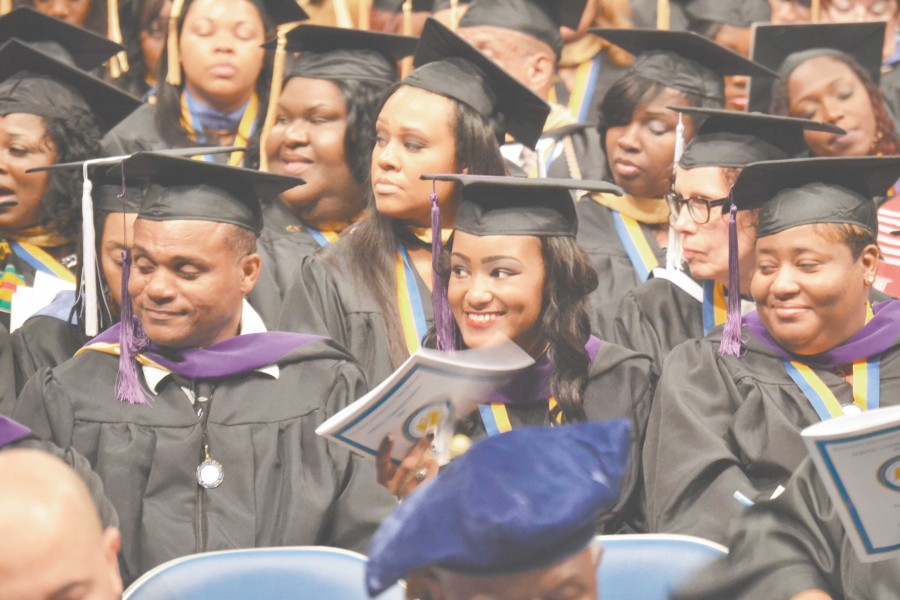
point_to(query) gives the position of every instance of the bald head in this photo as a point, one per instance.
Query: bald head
(52, 544)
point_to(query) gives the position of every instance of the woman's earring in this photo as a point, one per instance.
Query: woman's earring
(870, 280)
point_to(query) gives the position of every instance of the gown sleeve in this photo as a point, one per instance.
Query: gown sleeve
(312, 303)
(7, 378)
(779, 548)
(691, 470)
(632, 330)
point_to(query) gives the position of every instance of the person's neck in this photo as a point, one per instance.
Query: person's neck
(331, 213)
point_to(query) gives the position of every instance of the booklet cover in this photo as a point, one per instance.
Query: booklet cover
(858, 458)
(427, 394)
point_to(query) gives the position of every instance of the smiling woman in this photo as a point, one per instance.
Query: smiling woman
(816, 348)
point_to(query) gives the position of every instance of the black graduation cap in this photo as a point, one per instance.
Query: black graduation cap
(194, 190)
(273, 12)
(815, 190)
(337, 53)
(539, 19)
(65, 42)
(448, 65)
(490, 512)
(731, 138)
(783, 48)
(33, 82)
(493, 205)
(682, 60)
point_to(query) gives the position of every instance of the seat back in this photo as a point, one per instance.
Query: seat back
(271, 573)
(651, 566)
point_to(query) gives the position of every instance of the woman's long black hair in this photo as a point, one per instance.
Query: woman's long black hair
(372, 246)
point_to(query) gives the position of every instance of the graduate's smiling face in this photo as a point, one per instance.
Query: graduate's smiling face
(189, 279)
(641, 153)
(706, 244)
(221, 51)
(810, 290)
(307, 140)
(415, 134)
(572, 579)
(496, 290)
(24, 145)
(826, 89)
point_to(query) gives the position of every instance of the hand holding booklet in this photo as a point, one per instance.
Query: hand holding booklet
(858, 458)
(427, 394)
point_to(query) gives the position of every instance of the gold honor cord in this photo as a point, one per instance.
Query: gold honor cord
(5, 6)
(365, 14)
(662, 14)
(454, 14)
(118, 64)
(275, 91)
(815, 10)
(406, 65)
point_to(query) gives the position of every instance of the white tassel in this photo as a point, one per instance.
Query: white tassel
(89, 258)
(674, 251)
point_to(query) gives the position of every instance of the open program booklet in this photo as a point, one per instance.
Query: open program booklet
(427, 394)
(858, 458)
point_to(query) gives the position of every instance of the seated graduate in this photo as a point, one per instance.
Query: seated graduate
(52, 111)
(199, 429)
(54, 544)
(515, 273)
(512, 518)
(624, 236)
(671, 307)
(523, 37)
(213, 81)
(323, 130)
(724, 427)
(796, 547)
(371, 291)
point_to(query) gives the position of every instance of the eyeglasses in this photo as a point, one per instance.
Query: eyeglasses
(698, 208)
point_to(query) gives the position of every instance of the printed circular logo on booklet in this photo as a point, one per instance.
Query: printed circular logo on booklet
(426, 420)
(889, 474)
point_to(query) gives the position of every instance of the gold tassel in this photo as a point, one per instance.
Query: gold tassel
(5, 6)
(342, 14)
(815, 10)
(454, 14)
(365, 14)
(275, 91)
(662, 14)
(406, 65)
(173, 76)
(118, 64)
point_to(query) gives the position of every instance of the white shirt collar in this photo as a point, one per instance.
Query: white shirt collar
(251, 322)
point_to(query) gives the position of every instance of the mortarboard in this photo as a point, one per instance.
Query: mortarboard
(783, 48)
(193, 190)
(798, 192)
(514, 502)
(540, 19)
(518, 206)
(730, 138)
(35, 83)
(273, 12)
(64, 42)
(337, 53)
(448, 65)
(682, 60)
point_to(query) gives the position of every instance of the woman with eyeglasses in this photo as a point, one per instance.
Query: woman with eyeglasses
(724, 429)
(673, 307)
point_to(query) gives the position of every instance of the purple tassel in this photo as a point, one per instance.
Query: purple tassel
(731, 334)
(132, 341)
(443, 316)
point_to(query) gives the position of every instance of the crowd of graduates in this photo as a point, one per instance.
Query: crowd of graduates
(223, 221)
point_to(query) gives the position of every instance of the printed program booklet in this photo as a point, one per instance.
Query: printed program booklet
(858, 458)
(427, 394)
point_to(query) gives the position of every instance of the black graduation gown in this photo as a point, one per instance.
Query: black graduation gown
(284, 242)
(43, 341)
(283, 484)
(325, 298)
(620, 386)
(135, 133)
(7, 373)
(597, 236)
(794, 543)
(721, 425)
(588, 153)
